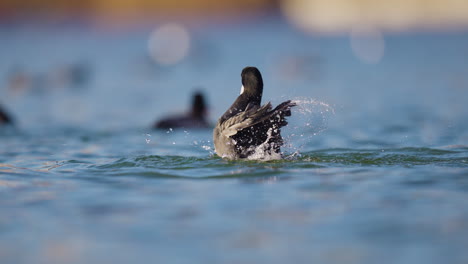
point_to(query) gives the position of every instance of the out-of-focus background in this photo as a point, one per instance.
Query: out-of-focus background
(375, 156)
(150, 55)
(318, 15)
(132, 61)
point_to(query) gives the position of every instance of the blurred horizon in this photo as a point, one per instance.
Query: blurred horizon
(317, 16)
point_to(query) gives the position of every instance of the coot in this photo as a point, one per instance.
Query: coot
(247, 129)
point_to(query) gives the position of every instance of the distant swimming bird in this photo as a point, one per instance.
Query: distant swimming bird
(248, 128)
(196, 118)
(4, 118)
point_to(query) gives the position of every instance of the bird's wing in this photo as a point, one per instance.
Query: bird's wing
(251, 115)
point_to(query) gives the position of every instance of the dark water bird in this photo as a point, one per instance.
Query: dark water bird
(247, 129)
(5, 118)
(196, 118)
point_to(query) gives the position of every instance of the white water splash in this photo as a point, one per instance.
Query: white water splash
(263, 151)
(309, 105)
(148, 140)
(207, 148)
(309, 118)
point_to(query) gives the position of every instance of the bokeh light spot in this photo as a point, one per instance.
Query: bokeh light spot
(368, 44)
(169, 44)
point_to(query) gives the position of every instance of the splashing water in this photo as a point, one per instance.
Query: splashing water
(263, 151)
(207, 148)
(311, 106)
(148, 140)
(309, 118)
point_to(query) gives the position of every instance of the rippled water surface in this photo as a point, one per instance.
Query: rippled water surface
(375, 166)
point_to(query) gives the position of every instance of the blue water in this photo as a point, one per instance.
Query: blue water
(375, 168)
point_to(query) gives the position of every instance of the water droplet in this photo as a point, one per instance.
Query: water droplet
(206, 147)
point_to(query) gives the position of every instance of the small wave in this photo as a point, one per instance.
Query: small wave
(214, 167)
(154, 161)
(406, 157)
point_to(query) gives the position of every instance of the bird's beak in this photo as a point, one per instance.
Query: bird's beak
(242, 89)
